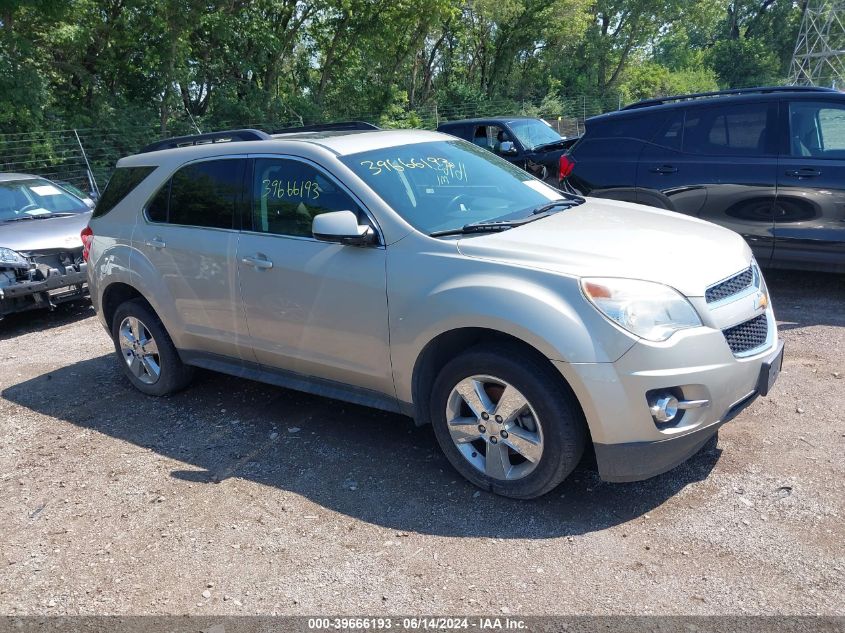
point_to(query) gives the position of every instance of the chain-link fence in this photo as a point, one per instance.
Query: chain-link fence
(85, 158)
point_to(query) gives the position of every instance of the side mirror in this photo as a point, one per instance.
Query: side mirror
(507, 147)
(341, 227)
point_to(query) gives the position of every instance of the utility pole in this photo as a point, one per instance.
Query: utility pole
(819, 57)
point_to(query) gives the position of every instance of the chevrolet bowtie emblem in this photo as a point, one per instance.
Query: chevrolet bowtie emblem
(762, 301)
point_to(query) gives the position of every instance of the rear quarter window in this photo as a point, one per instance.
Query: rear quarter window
(461, 131)
(121, 183)
(641, 127)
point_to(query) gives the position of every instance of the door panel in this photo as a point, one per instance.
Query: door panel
(194, 260)
(810, 207)
(721, 167)
(316, 308)
(321, 310)
(199, 279)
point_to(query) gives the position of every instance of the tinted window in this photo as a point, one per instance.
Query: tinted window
(157, 208)
(288, 194)
(817, 129)
(207, 193)
(672, 132)
(122, 181)
(728, 130)
(461, 131)
(642, 126)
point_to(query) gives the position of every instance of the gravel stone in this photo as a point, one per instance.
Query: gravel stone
(304, 545)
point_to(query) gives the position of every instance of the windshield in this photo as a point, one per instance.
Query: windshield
(444, 185)
(74, 190)
(36, 197)
(533, 133)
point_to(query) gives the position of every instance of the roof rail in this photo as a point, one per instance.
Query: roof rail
(340, 126)
(718, 93)
(202, 139)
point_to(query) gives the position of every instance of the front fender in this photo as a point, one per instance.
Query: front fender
(544, 310)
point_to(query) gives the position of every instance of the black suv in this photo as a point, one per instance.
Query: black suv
(526, 142)
(768, 163)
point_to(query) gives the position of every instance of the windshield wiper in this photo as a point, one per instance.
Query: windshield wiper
(549, 144)
(40, 216)
(487, 226)
(554, 204)
(477, 227)
(495, 226)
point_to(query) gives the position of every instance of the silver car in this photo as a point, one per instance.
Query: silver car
(41, 262)
(417, 273)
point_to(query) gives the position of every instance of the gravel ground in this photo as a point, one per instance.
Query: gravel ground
(239, 498)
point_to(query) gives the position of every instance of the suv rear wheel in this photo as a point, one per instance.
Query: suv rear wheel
(145, 351)
(506, 422)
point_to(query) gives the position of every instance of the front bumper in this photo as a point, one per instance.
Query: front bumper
(629, 445)
(30, 295)
(635, 461)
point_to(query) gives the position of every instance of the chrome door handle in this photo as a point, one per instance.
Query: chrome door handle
(156, 242)
(259, 263)
(804, 172)
(664, 169)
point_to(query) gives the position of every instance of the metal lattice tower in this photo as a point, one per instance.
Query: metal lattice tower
(819, 57)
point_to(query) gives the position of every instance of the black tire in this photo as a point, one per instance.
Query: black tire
(563, 425)
(174, 374)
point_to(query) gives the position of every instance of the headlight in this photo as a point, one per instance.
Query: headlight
(12, 258)
(649, 310)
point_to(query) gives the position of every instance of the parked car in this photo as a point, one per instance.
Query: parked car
(41, 261)
(90, 199)
(531, 144)
(418, 273)
(768, 163)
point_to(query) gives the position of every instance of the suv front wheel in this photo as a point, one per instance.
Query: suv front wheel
(145, 352)
(506, 422)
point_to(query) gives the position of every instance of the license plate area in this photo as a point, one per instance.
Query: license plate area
(770, 371)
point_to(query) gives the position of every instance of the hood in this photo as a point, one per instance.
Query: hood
(46, 234)
(605, 238)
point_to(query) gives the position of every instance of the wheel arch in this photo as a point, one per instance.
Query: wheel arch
(447, 345)
(114, 295)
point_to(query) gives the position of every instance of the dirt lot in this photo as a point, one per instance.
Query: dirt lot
(235, 497)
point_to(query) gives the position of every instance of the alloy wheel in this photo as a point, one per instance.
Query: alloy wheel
(494, 427)
(139, 350)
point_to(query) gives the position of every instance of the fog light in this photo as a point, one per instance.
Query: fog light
(663, 407)
(667, 405)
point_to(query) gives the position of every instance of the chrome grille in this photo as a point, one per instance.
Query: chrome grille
(747, 336)
(729, 287)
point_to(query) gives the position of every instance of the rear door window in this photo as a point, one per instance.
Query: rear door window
(740, 129)
(672, 132)
(158, 206)
(204, 194)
